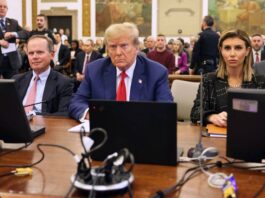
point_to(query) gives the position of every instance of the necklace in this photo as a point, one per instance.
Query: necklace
(235, 85)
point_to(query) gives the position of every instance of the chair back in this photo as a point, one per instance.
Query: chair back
(184, 93)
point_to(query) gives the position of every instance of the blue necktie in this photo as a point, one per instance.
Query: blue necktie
(3, 26)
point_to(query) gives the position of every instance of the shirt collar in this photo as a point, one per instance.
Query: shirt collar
(44, 75)
(129, 71)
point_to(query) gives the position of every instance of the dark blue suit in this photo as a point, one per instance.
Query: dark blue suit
(149, 83)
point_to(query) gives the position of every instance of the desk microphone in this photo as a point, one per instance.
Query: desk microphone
(33, 104)
(198, 150)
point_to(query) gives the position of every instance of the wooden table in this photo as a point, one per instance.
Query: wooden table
(51, 178)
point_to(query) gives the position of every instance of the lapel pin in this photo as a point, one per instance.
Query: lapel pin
(8, 23)
(140, 81)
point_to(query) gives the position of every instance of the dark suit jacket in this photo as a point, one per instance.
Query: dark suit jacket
(262, 55)
(64, 55)
(57, 92)
(206, 48)
(259, 68)
(14, 57)
(149, 83)
(80, 57)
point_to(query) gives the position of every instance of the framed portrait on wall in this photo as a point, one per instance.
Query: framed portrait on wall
(179, 18)
(117, 11)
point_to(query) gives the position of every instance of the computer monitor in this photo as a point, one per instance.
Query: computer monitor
(246, 124)
(147, 129)
(14, 125)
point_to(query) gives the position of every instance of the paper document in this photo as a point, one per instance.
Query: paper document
(11, 48)
(77, 128)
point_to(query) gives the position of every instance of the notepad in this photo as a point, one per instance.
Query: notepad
(215, 131)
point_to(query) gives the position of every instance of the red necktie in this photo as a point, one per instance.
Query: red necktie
(32, 95)
(257, 57)
(121, 92)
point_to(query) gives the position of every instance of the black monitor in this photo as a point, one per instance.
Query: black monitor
(246, 124)
(14, 125)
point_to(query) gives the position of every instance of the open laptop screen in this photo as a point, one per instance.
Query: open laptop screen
(14, 125)
(246, 124)
(147, 129)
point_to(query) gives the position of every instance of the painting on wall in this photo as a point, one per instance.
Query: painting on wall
(118, 11)
(248, 15)
(179, 17)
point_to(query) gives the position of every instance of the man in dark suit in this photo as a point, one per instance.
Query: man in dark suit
(123, 75)
(51, 87)
(205, 52)
(62, 54)
(10, 61)
(88, 55)
(259, 68)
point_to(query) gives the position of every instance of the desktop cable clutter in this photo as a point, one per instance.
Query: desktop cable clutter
(113, 176)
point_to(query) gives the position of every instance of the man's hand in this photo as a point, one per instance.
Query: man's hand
(4, 43)
(79, 76)
(219, 119)
(9, 35)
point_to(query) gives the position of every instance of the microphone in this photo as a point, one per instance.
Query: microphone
(198, 150)
(33, 104)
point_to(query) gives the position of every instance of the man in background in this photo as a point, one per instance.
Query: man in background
(162, 55)
(257, 48)
(43, 85)
(41, 23)
(205, 52)
(85, 57)
(10, 60)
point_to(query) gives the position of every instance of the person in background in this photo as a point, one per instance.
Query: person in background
(123, 75)
(10, 30)
(74, 50)
(234, 70)
(257, 48)
(88, 55)
(41, 22)
(181, 59)
(150, 45)
(42, 83)
(62, 55)
(162, 55)
(205, 55)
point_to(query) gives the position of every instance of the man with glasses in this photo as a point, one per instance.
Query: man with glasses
(123, 75)
(10, 60)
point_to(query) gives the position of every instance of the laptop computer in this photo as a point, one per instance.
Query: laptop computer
(147, 129)
(246, 126)
(14, 125)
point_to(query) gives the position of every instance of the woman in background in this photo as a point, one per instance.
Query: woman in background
(180, 58)
(234, 70)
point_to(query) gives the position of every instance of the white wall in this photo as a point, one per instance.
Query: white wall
(15, 10)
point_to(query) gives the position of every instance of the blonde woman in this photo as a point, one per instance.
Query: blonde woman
(234, 70)
(181, 59)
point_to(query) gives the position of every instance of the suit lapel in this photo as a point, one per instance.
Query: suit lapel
(138, 81)
(109, 80)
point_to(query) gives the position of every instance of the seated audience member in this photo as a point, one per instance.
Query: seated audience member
(234, 70)
(83, 58)
(150, 45)
(259, 68)
(123, 75)
(43, 83)
(162, 55)
(181, 60)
